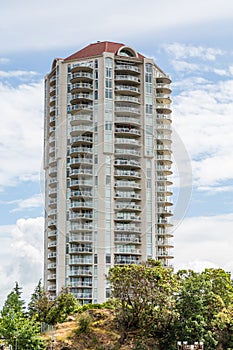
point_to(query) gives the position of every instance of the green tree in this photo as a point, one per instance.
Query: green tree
(17, 329)
(40, 304)
(146, 295)
(204, 305)
(64, 305)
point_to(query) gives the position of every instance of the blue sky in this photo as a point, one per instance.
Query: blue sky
(192, 42)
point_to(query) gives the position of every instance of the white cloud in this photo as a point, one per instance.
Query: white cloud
(123, 18)
(185, 66)
(203, 119)
(182, 51)
(35, 201)
(204, 242)
(17, 74)
(20, 133)
(21, 255)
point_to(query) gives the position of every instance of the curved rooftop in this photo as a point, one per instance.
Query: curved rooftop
(98, 48)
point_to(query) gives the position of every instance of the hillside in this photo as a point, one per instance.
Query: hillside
(95, 330)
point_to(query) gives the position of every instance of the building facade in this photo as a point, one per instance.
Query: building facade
(107, 161)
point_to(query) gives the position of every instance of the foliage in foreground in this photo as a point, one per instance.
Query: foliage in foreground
(167, 307)
(154, 308)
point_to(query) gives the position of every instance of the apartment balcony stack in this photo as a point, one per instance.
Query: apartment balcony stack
(107, 161)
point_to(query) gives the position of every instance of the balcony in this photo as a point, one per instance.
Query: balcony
(80, 284)
(81, 139)
(127, 249)
(127, 216)
(81, 76)
(79, 237)
(162, 88)
(81, 204)
(52, 255)
(164, 211)
(123, 98)
(87, 249)
(127, 194)
(80, 129)
(52, 223)
(127, 173)
(81, 107)
(81, 261)
(127, 238)
(166, 243)
(127, 110)
(80, 183)
(127, 206)
(163, 80)
(52, 202)
(127, 68)
(52, 139)
(81, 194)
(52, 266)
(52, 288)
(84, 66)
(81, 227)
(128, 120)
(53, 171)
(163, 108)
(166, 169)
(52, 233)
(127, 163)
(81, 87)
(128, 79)
(81, 118)
(166, 159)
(82, 96)
(52, 212)
(127, 141)
(80, 272)
(52, 90)
(85, 215)
(125, 260)
(127, 130)
(52, 244)
(164, 117)
(129, 228)
(127, 184)
(76, 150)
(83, 295)
(81, 160)
(52, 100)
(80, 171)
(51, 277)
(131, 90)
(52, 80)
(127, 152)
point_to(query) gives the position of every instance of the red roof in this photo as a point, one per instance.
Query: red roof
(97, 49)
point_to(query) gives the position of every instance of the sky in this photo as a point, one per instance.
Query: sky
(192, 42)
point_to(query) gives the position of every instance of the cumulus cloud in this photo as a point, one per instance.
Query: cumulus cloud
(18, 74)
(181, 14)
(35, 201)
(20, 133)
(204, 241)
(181, 51)
(22, 255)
(203, 119)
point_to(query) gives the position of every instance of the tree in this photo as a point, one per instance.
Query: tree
(40, 304)
(204, 303)
(146, 295)
(64, 305)
(17, 329)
